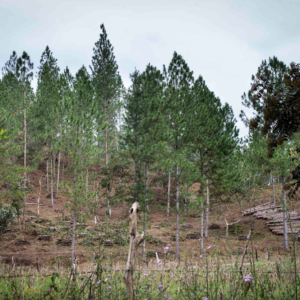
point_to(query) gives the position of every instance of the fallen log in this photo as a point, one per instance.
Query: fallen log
(253, 210)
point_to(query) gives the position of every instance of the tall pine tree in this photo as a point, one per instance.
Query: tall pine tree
(107, 85)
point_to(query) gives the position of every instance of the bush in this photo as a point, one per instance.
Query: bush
(7, 214)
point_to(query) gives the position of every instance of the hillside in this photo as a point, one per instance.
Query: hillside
(24, 247)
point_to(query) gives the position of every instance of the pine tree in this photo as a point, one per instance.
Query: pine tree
(268, 79)
(11, 96)
(24, 73)
(78, 130)
(179, 80)
(107, 85)
(133, 127)
(47, 109)
(213, 138)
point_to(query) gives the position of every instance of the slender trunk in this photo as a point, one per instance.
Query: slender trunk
(87, 181)
(273, 189)
(63, 174)
(207, 210)
(201, 226)
(177, 213)
(169, 189)
(74, 222)
(285, 236)
(157, 189)
(58, 169)
(40, 191)
(25, 131)
(135, 179)
(117, 143)
(51, 184)
(106, 149)
(145, 209)
(24, 202)
(25, 148)
(96, 206)
(48, 174)
(54, 159)
(87, 188)
(107, 201)
(106, 163)
(73, 238)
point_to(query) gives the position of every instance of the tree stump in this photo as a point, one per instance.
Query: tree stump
(135, 240)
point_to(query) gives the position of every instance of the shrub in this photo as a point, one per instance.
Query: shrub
(7, 214)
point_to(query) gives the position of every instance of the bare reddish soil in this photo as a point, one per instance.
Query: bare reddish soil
(24, 246)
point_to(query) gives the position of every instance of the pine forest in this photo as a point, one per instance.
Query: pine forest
(147, 191)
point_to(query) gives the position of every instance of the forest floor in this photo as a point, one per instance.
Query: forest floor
(24, 247)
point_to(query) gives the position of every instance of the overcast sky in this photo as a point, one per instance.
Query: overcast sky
(223, 40)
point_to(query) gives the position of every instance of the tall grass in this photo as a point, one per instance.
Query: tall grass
(206, 277)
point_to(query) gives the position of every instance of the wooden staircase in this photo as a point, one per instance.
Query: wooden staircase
(274, 214)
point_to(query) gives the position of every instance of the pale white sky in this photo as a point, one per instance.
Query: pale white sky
(223, 40)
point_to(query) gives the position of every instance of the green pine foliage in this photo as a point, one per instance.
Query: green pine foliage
(122, 145)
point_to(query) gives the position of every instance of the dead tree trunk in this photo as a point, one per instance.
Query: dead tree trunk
(227, 227)
(135, 240)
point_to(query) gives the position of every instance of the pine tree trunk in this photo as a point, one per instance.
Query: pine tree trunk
(117, 143)
(51, 184)
(177, 213)
(135, 179)
(39, 198)
(48, 175)
(273, 189)
(58, 169)
(285, 235)
(54, 158)
(25, 148)
(145, 209)
(73, 238)
(87, 188)
(106, 162)
(201, 226)
(169, 189)
(207, 210)
(63, 174)
(107, 201)
(96, 206)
